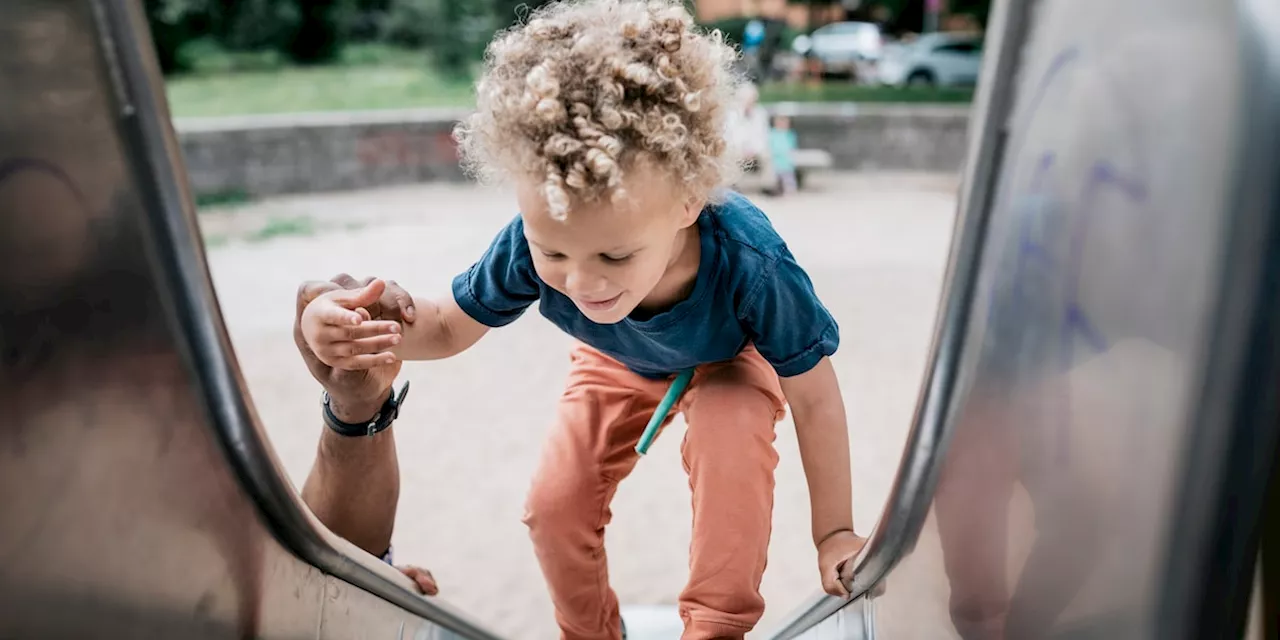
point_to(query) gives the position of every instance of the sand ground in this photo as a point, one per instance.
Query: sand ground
(874, 244)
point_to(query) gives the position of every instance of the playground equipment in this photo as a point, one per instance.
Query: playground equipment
(1098, 418)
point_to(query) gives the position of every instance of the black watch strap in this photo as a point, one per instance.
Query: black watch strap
(387, 414)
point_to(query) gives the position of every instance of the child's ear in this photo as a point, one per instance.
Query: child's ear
(692, 208)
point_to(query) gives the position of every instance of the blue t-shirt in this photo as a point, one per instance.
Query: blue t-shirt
(749, 289)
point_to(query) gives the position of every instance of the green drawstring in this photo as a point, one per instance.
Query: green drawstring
(664, 409)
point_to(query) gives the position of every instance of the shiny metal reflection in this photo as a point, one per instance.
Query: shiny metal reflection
(1113, 419)
(138, 496)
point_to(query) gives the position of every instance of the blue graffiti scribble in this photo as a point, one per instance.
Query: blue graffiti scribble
(1075, 326)
(1076, 323)
(1051, 230)
(1060, 63)
(1031, 248)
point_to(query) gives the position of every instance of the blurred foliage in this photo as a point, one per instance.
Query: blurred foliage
(246, 34)
(318, 36)
(302, 31)
(375, 76)
(454, 31)
(903, 16)
(510, 12)
(449, 36)
(467, 26)
(411, 23)
(174, 23)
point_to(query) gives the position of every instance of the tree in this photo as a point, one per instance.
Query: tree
(466, 26)
(318, 36)
(173, 23)
(509, 12)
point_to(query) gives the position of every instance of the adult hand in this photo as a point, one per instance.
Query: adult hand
(354, 395)
(422, 579)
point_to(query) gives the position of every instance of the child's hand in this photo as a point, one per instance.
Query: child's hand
(339, 329)
(836, 550)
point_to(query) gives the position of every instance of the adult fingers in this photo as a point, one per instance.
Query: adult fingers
(421, 578)
(311, 290)
(345, 281)
(394, 299)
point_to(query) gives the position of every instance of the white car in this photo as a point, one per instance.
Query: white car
(845, 47)
(936, 59)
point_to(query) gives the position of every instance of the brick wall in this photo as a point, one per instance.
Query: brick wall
(272, 155)
(269, 155)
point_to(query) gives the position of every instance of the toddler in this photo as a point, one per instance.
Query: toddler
(782, 144)
(608, 117)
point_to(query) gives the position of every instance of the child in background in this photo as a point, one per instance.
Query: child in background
(609, 117)
(782, 144)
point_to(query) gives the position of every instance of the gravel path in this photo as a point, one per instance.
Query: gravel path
(874, 244)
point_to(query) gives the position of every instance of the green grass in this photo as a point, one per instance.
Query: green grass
(366, 78)
(281, 227)
(218, 199)
(380, 77)
(846, 92)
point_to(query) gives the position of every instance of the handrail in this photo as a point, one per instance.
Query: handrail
(912, 493)
(185, 283)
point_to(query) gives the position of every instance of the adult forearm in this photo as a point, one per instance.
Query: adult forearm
(354, 486)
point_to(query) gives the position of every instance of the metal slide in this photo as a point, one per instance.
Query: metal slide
(120, 516)
(1089, 452)
(1099, 418)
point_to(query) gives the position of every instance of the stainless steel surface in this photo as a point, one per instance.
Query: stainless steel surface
(138, 496)
(856, 621)
(1102, 460)
(910, 497)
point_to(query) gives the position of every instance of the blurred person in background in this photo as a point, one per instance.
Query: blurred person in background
(782, 147)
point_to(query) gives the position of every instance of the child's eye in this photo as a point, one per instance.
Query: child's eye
(615, 259)
(552, 255)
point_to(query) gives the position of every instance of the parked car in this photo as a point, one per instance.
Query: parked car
(846, 48)
(936, 59)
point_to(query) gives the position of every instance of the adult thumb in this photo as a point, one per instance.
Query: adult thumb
(361, 297)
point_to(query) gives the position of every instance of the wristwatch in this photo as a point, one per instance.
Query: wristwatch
(387, 414)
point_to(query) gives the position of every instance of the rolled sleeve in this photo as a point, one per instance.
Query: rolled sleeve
(788, 323)
(498, 288)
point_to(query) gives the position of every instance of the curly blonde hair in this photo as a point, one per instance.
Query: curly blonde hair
(587, 89)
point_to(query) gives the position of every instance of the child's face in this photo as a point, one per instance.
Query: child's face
(608, 258)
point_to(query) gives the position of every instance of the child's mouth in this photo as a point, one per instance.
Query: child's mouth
(603, 305)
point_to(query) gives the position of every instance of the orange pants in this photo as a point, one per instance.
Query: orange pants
(731, 408)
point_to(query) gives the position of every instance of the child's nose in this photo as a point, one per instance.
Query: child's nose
(583, 282)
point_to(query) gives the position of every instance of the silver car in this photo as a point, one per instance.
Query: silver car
(936, 59)
(846, 48)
